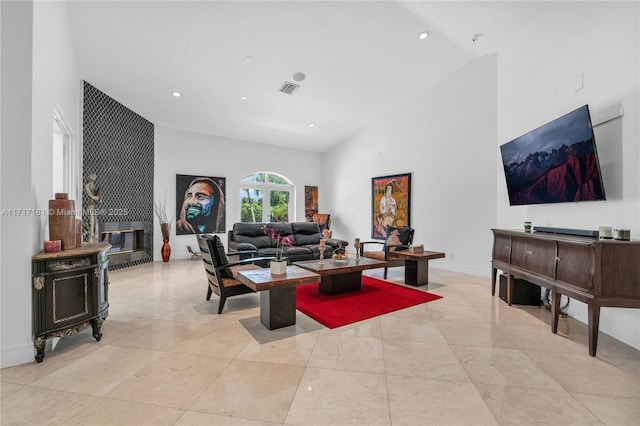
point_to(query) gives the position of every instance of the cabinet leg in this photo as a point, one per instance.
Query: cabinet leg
(593, 310)
(39, 344)
(509, 289)
(96, 325)
(555, 310)
(494, 274)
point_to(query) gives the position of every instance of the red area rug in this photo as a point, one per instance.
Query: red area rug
(377, 297)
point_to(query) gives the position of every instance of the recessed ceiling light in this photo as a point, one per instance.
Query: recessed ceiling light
(243, 98)
(176, 94)
(423, 35)
(312, 124)
(248, 59)
(299, 76)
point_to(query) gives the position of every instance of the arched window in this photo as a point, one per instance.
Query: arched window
(266, 197)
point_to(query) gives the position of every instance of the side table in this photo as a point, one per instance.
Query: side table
(416, 265)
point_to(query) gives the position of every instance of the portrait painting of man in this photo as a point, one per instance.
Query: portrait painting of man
(200, 204)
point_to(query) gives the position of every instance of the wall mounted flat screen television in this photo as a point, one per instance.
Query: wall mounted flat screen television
(555, 163)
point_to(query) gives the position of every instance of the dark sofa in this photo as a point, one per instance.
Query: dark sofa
(305, 236)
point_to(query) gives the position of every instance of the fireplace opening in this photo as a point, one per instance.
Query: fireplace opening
(124, 241)
(131, 242)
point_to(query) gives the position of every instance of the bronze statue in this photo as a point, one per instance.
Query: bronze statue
(93, 192)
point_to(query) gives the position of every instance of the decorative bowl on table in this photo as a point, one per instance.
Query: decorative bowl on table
(340, 256)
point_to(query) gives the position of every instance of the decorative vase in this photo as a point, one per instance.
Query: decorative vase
(62, 220)
(166, 251)
(78, 233)
(278, 267)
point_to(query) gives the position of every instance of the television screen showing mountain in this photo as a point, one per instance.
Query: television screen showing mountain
(554, 163)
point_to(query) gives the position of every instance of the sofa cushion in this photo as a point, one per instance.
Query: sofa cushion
(315, 250)
(245, 247)
(267, 252)
(336, 242)
(306, 233)
(251, 233)
(295, 254)
(220, 256)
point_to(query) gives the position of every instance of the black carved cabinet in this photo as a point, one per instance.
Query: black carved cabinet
(70, 292)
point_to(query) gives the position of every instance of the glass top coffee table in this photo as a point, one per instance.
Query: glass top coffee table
(336, 278)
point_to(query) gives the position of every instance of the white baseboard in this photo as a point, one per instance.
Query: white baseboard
(456, 267)
(17, 355)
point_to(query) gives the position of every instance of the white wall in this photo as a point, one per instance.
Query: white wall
(38, 74)
(56, 85)
(17, 232)
(188, 153)
(446, 138)
(536, 85)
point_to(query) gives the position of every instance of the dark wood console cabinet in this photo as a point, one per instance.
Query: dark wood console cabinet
(70, 292)
(600, 273)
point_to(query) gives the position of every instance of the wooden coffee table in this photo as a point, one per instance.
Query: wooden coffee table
(416, 265)
(340, 278)
(277, 293)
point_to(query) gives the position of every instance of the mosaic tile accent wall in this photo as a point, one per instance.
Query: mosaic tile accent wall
(118, 148)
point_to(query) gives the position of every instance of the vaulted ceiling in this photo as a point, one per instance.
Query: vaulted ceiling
(361, 59)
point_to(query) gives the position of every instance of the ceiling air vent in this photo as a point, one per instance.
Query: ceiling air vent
(289, 88)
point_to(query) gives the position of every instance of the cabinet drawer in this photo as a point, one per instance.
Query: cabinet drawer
(502, 248)
(534, 255)
(575, 265)
(68, 264)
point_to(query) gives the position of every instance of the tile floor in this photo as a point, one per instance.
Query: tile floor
(167, 358)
